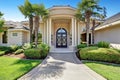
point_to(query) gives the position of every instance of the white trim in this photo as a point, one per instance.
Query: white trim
(78, 33)
(73, 32)
(108, 25)
(43, 32)
(50, 32)
(47, 31)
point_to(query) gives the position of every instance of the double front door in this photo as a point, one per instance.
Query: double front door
(61, 38)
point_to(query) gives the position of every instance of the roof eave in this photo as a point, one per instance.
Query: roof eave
(108, 25)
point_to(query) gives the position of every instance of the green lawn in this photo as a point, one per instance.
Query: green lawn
(108, 70)
(12, 68)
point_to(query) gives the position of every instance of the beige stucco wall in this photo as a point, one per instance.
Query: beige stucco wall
(21, 38)
(110, 34)
(25, 37)
(14, 40)
(41, 30)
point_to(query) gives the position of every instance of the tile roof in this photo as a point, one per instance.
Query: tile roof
(110, 20)
(20, 26)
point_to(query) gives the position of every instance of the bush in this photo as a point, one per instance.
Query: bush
(100, 54)
(6, 49)
(14, 47)
(27, 46)
(37, 53)
(103, 44)
(44, 49)
(19, 51)
(81, 46)
(32, 53)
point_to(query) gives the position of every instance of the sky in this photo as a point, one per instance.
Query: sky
(11, 11)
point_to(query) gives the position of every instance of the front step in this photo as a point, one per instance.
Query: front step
(62, 50)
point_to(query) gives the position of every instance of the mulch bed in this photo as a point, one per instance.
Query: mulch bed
(21, 56)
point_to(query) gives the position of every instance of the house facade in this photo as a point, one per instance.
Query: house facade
(62, 30)
(109, 31)
(14, 34)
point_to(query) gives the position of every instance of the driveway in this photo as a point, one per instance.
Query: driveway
(61, 66)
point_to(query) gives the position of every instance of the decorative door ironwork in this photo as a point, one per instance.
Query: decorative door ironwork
(61, 38)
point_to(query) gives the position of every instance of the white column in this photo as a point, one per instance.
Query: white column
(78, 33)
(47, 31)
(73, 32)
(44, 32)
(91, 37)
(50, 32)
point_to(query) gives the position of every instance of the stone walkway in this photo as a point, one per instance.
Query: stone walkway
(63, 66)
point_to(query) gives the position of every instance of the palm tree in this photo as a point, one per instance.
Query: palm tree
(94, 25)
(40, 13)
(27, 11)
(1, 22)
(97, 17)
(86, 9)
(1, 14)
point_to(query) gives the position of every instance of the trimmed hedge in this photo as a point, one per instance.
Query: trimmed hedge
(32, 53)
(81, 46)
(44, 49)
(37, 53)
(100, 54)
(103, 44)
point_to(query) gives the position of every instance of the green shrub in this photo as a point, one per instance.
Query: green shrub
(117, 49)
(103, 44)
(81, 46)
(27, 46)
(32, 53)
(2, 53)
(44, 49)
(100, 54)
(19, 51)
(14, 47)
(6, 49)
(37, 53)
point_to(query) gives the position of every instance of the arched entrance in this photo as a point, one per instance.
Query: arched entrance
(61, 38)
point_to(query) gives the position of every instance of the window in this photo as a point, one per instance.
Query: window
(4, 37)
(61, 30)
(14, 34)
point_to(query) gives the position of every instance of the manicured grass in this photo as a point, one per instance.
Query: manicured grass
(12, 68)
(2, 53)
(108, 70)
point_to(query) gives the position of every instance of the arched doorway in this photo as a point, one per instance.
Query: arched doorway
(61, 38)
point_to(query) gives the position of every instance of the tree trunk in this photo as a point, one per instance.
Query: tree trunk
(93, 32)
(87, 30)
(36, 30)
(31, 28)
